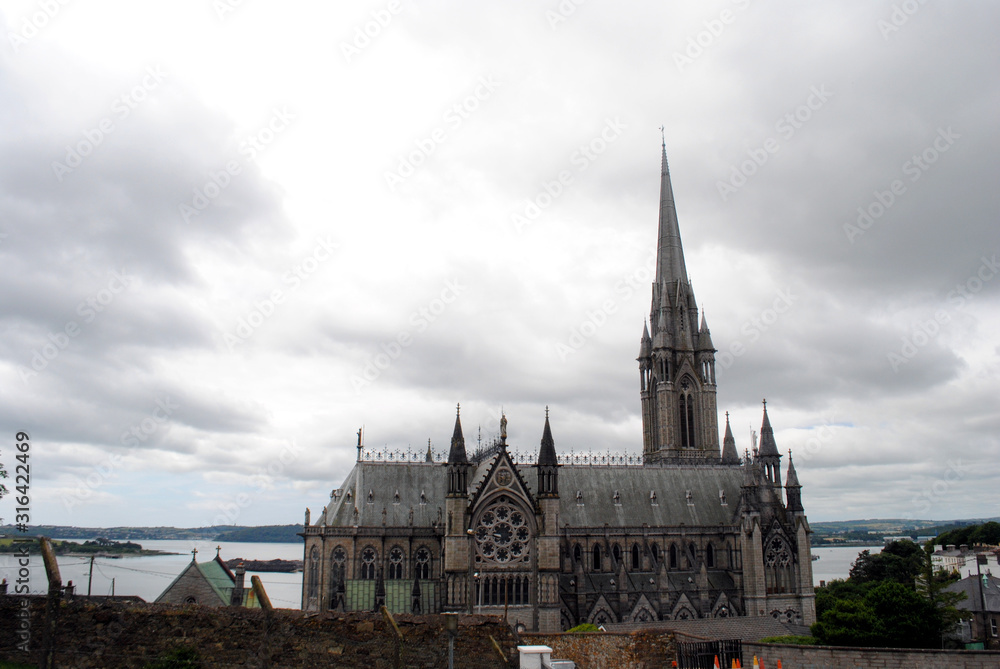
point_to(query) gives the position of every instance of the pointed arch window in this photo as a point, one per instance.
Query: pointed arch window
(597, 557)
(673, 556)
(686, 414)
(635, 557)
(396, 563)
(422, 564)
(710, 555)
(313, 581)
(337, 561)
(368, 556)
(616, 550)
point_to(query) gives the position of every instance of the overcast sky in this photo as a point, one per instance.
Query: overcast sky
(233, 233)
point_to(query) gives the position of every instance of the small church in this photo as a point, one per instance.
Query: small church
(210, 583)
(687, 530)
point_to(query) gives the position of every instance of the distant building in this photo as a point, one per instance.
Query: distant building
(209, 584)
(687, 530)
(965, 561)
(982, 599)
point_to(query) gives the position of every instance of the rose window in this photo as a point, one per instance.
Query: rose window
(502, 534)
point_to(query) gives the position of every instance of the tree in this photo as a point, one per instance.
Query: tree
(900, 561)
(849, 622)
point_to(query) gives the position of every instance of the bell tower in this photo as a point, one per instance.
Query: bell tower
(677, 357)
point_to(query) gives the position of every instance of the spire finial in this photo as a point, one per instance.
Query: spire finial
(458, 409)
(727, 416)
(217, 549)
(194, 553)
(765, 403)
(663, 136)
(546, 410)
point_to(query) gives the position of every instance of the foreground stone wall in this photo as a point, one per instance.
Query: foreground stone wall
(89, 635)
(609, 650)
(834, 657)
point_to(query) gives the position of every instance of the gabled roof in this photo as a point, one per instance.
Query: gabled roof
(976, 593)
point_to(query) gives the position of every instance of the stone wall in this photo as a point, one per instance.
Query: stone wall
(609, 650)
(835, 657)
(90, 635)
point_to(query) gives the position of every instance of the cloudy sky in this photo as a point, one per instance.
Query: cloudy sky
(233, 233)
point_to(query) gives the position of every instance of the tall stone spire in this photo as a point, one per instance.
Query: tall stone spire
(767, 445)
(547, 452)
(670, 265)
(769, 457)
(730, 456)
(793, 490)
(676, 357)
(548, 464)
(457, 453)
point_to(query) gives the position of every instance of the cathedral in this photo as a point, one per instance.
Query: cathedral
(687, 531)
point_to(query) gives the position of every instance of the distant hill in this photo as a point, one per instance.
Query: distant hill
(278, 534)
(872, 531)
(263, 534)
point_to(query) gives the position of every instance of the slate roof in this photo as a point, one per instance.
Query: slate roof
(974, 598)
(383, 480)
(597, 484)
(671, 485)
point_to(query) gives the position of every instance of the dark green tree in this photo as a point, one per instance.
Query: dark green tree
(850, 622)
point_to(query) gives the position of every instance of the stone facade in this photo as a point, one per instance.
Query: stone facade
(687, 531)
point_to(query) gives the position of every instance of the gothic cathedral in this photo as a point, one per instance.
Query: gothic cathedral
(686, 531)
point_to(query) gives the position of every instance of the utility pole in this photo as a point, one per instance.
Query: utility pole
(112, 587)
(90, 576)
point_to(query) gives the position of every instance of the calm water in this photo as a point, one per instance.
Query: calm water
(149, 576)
(835, 562)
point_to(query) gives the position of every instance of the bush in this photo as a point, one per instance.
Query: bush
(585, 627)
